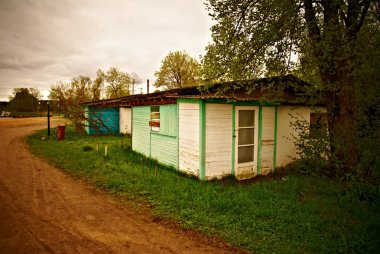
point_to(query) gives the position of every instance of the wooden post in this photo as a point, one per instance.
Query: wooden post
(147, 86)
(106, 151)
(97, 146)
(48, 117)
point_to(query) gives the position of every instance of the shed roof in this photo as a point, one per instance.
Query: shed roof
(286, 89)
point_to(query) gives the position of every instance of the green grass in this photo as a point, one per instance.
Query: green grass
(295, 214)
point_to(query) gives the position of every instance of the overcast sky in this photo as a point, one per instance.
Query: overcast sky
(44, 41)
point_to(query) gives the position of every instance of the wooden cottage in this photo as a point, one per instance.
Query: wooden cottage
(236, 128)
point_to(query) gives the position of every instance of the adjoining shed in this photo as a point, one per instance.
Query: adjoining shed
(102, 117)
(236, 128)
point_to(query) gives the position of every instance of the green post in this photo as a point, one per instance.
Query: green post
(275, 140)
(202, 139)
(178, 134)
(233, 140)
(259, 139)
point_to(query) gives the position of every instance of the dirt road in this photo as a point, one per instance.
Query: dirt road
(42, 210)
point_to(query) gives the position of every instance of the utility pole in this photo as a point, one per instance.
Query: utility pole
(48, 117)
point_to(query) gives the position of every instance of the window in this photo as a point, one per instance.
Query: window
(155, 118)
(163, 119)
(318, 125)
(246, 136)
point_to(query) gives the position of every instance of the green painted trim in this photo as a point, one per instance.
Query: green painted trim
(233, 139)
(256, 103)
(226, 101)
(150, 136)
(259, 139)
(178, 134)
(275, 140)
(218, 101)
(202, 139)
(131, 127)
(188, 100)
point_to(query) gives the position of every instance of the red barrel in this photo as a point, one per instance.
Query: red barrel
(61, 132)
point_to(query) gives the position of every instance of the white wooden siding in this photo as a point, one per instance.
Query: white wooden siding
(267, 139)
(125, 119)
(218, 140)
(286, 150)
(188, 135)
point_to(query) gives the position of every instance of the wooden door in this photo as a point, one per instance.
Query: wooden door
(246, 141)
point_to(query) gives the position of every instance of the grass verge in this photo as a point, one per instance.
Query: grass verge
(292, 214)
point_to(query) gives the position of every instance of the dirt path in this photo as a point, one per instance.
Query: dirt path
(43, 210)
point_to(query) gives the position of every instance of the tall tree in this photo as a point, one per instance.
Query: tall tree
(71, 95)
(178, 69)
(135, 80)
(252, 37)
(98, 85)
(118, 83)
(24, 99)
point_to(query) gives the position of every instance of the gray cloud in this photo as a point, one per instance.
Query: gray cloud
(42, 41)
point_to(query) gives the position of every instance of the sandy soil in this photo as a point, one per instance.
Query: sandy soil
(42, 210)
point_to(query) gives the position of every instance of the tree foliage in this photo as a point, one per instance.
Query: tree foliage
(106, 85)
(24, 99)
(118, 83)
(98, 85)
(135, 80)
(71, 95)
(322, 39)
(178, 70)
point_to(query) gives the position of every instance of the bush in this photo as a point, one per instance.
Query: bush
(312, 150)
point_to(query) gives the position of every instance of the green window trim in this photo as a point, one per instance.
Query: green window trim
(167, 118)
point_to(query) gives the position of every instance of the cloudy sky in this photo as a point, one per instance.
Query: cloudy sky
(44, 41)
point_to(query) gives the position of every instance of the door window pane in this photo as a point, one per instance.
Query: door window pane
(246, 136)
(245, 154)
(246, 118)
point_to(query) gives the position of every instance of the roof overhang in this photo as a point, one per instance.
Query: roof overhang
(286, 89)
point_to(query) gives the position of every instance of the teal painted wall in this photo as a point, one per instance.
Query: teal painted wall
(161, 145)
(141, 130)
(109, 116)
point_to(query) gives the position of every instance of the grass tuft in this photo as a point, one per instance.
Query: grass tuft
(87, 148)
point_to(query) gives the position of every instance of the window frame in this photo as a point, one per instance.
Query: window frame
(155, 118)
(318, 126)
